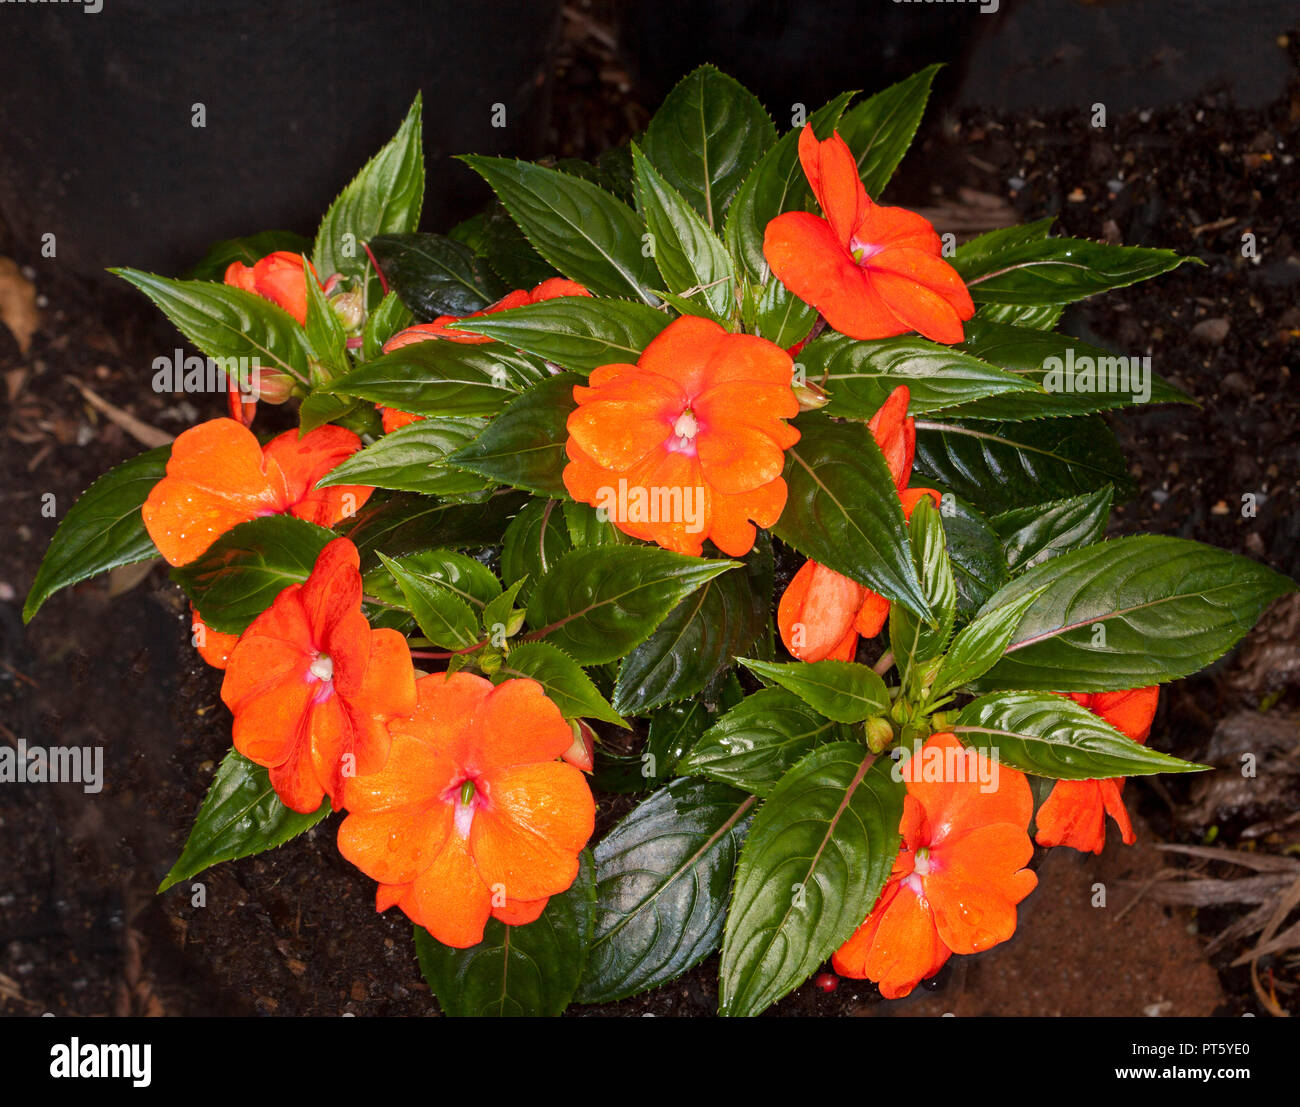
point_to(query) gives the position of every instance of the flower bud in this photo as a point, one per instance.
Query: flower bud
(350, 307)
(880, 733)
(582, 754)
(272, 386)
(811, 396)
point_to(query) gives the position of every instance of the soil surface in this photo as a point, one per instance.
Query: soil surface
(294, 931)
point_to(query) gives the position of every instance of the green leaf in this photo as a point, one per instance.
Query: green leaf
(1042, 317)
(1054, 737)
(534, 542)
(241, 815)
(499, 613)
(599, 603)
(227, 322)
(442, 378)
(498, 238)
(444, 617)
(699, 638)
(516, 971)
(587, 528)
(690, 257)
(979, 645)
(914, 642)
(413, 458)
(102, 530)
(402, 522)
(1058, 270)
(705, 137)
(244, 570)
(385, 321)
(580, 333)
(587, 234)
(1032, 535)
(384, 198)
(879, 130)
(859, 376)
(782, 317)
(813, 863)
(571, 689)
(1001, 466)
(841, 690)
(663, 876)
(436, 275)
(246, 250)
(842, 510)
(775, 185)
(326, 339)
(978, 566)
(1129, 613)
(759, 740)
(981, 253)
(459, 573)
(524, 445)
(1071, 377)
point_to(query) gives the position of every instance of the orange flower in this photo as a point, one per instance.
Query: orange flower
(277, 277)
(959, 874)
(218, 477)
(872, 271)
(689, 442)
(472, 817)
(214, 646)
(312, 687)
(443, 328)
(822, 613)
(1075, 813)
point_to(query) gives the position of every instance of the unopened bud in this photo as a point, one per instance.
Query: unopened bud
(880, 733)
(489, 660)
(810, 396)
(350, 307)
(271, 386)
(582, 754)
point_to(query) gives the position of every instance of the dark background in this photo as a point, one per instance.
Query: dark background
(97, 147)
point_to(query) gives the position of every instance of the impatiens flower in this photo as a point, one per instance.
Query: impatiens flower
(822, 613)
(472, 817)
(218, 476)
(214, 646)
(277, 277)
(1075, 813)
(312, 687)
(689, 442)
(959, 874)
(872, 271)
(444, 328)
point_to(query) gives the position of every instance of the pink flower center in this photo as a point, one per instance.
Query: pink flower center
(468, 794)
(863, 252)
(685, 429)
(321, 671)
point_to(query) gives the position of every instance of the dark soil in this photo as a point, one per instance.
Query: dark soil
(294, 932)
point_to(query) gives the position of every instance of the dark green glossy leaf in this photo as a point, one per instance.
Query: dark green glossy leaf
(879, 130)
(705, 137)
(840, 690)
(663, 877)
(1031, 535)
(413, 458)
(241, 815)
(385, 321)
(859, 376)
(978, 566)
(578, 332)
(978, 645)
(1001, 466)
(246, 568)
(1053, 736)
(1128, 613)
(913, 641)
(757, 742)
(102, 530)
(524, 445)
(459, 573)
(566, 684)
(813, 863)
(443, 616)
(842, 510)
(699, 638)
(436, 275)
(587, 234)
(783, 318)
(534, 542)
(599, 603)
(402, 522)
